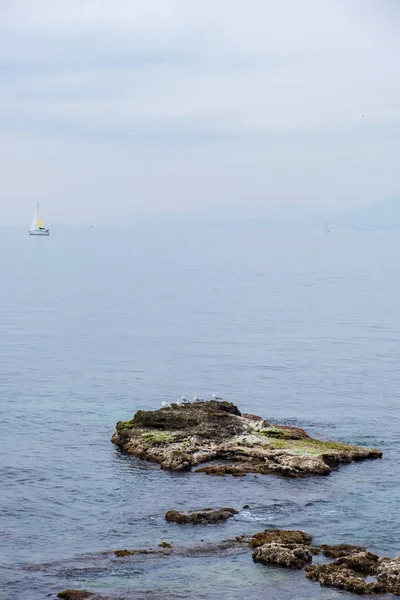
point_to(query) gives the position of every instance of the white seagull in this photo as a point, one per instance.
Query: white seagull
(215, 397)
(179, 402)
(165, 404)
(184, 400)
(196, 398)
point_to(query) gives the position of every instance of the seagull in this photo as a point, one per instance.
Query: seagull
(196, 398)
(165, 404)
(215, 397)
(184, 400)
(179, 402)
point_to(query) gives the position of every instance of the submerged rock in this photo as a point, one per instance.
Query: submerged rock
(179, 438)
(283, 556)
(200, 517)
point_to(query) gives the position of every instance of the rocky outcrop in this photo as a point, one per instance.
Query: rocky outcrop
(349, 572)
(388, 574)
(339, 550)
(179, 438)
(284, 537)
(282, 556)
(343, 578)
(281, 547)
(200, 517)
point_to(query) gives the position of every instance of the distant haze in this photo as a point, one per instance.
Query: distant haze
(112, 110)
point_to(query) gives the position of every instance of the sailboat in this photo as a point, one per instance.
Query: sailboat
(327, 230)
(37, 224)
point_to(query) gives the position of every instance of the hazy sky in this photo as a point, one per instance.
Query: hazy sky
(112, 108)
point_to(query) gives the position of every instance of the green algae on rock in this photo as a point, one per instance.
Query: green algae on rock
(179, 438)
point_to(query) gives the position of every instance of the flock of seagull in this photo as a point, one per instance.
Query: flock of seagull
(183, 400)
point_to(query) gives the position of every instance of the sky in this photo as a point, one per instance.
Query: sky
(113, 109)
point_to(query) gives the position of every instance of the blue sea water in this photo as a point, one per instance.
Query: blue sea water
(299, 327)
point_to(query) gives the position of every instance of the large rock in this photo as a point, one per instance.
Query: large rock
(200, 517)
(282, 556)
(181, 437)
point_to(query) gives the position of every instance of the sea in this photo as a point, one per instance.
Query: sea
(299, 327)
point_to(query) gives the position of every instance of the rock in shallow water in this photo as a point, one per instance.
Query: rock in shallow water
(282, 556)
(388, 574)
(339, 550)
(75, 595)
(181, 437)
(200, 517)
(284, 537)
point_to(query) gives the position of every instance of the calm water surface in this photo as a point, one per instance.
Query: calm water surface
(301, 328)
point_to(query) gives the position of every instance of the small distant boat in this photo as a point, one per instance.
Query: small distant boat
(36, 227)
(327, 230)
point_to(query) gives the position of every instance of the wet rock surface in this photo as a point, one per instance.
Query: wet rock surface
(179, 438)
(283, 556)
(200, 517)
(388, 574)
(284, 537)
(343, 578)
(339, 550)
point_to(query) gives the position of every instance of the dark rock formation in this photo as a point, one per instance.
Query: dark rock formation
(82, 595)
(74, 595)
(339, 550)
(181, 437)
(283, 556)
(121, 553)
(200, 517)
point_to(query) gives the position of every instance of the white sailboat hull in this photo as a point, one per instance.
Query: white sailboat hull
(41, 232)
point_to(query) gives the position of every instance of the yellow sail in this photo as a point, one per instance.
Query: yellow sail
(40, 223)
